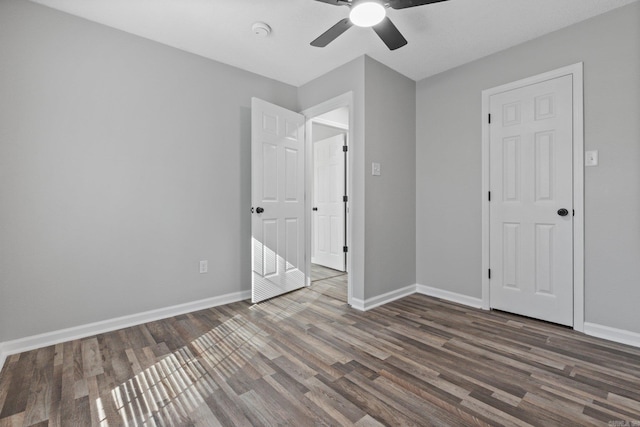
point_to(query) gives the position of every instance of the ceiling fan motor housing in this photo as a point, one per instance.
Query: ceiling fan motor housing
(383, 26)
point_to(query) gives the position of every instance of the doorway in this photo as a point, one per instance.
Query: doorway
(533, 197)
(282, 197)
(329, 196)
(328, 135)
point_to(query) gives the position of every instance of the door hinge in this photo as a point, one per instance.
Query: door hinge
(574, 212)
(489, 273)
(345, 148)
(345, 249)
(489, 118)
(345, 198)
(489, 196)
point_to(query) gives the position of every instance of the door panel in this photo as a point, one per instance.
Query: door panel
(544, 258)
(328, 189)
(511, 267)
(531, 246)
(292, 238)
(269, 248)
(544, 166)
(277, 187)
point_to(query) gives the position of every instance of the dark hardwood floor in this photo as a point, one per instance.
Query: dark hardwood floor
(307, 359)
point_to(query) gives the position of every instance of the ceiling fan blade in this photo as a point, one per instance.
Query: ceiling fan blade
(332, 33)
(389, 34)
(335, 2)
(403, 4)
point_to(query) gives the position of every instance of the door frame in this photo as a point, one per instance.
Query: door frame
(576, 71)
(310, 114)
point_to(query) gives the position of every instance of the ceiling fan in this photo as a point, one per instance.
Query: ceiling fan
(369, 13)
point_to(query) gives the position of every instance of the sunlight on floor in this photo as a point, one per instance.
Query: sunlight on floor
(177, 385)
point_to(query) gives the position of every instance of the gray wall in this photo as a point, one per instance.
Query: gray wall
(390, 200)
(448, 250)
(123, 163)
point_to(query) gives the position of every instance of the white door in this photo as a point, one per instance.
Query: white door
(328, 204)
(531, 237)
(277, 192)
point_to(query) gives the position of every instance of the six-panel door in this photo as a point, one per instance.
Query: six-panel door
(329, 212)
(277, 226)
(531, 244)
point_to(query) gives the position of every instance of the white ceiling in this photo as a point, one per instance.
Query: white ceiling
(441, 35)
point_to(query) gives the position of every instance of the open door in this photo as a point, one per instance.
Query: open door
(278, 205)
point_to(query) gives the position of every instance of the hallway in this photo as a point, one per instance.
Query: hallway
(329, 282)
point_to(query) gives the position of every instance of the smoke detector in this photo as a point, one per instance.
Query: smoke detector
(261, 29)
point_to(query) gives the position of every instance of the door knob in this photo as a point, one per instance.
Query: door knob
(563, 212)
(315, 209)
(259, 209)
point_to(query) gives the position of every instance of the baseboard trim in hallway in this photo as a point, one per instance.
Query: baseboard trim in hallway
(21, 345)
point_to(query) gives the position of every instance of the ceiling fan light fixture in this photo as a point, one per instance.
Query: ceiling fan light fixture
(367, 14)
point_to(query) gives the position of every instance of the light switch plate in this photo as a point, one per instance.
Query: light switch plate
(375, 169)
(591, 158)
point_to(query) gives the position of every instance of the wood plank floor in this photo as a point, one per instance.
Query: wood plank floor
(329, 282)
(307, 359)
(320, 272)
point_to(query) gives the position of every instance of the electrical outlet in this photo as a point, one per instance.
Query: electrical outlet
(375, 169)
(204, 266)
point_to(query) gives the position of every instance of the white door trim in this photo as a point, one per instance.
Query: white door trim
(344, 100)
(325, 122)
(576, 71)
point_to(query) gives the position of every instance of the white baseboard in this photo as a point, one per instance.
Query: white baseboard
(449, 296)
(3, 356)
(20, 345)
(377, 301)
(612, 334)
(357, 303)
(600, 331)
